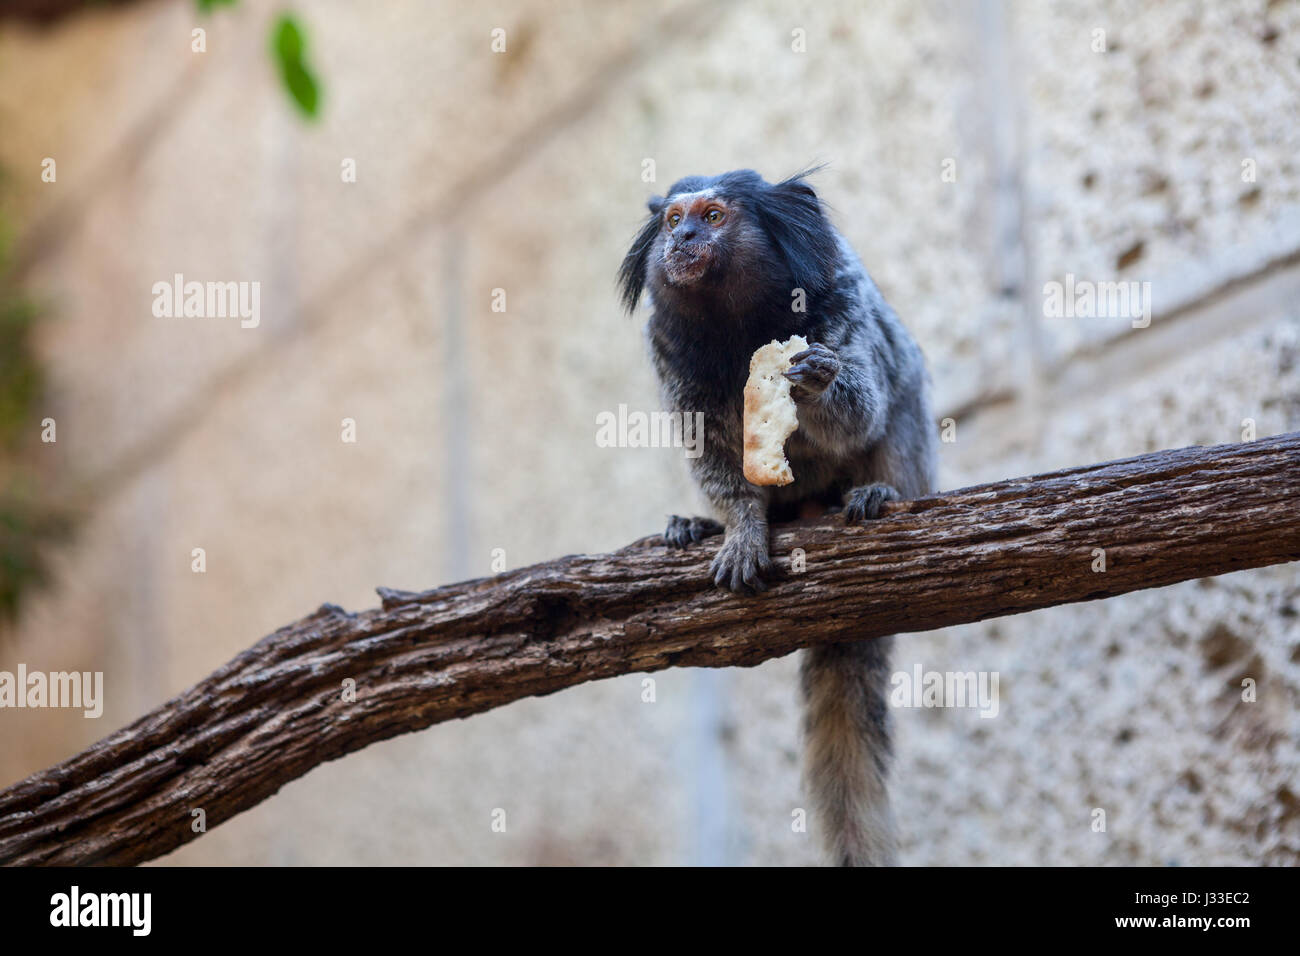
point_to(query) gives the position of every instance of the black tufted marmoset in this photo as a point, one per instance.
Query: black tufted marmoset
(732, 262)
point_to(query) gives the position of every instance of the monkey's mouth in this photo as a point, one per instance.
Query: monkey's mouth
(683, 266)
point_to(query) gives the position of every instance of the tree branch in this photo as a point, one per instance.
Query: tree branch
(278, 709)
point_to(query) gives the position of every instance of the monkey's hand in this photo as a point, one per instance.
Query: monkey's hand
(863, 503)
(682, 531)
(742, 561)
(811, 372)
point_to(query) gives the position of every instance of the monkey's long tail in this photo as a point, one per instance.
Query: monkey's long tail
(847, 749)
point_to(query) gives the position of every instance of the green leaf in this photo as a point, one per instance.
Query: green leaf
(302, 87)
(289, 48)
(288, 40)
(207, 6)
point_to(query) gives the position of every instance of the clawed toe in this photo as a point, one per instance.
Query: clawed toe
(864, 503)
(740, 568)
(685, 531)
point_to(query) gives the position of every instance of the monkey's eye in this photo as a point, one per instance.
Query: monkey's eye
(674, 218)
(714, 216)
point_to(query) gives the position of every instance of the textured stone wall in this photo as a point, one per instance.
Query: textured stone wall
(975, 152)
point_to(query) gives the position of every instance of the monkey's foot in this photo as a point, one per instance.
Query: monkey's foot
(811, 372)
(741, 563)
(683, 531)
(863, 503)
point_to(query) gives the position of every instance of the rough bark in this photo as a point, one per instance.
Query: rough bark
(278, 709)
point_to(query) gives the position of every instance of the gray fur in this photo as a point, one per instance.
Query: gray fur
(865, 436)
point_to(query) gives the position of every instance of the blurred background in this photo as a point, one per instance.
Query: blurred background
(975, 150)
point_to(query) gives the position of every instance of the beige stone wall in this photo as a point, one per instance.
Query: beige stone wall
(476, 429)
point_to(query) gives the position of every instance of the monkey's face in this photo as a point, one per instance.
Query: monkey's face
(728, 245)
(695, 235)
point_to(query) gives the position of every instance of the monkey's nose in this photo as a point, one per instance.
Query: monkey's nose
(685, 233)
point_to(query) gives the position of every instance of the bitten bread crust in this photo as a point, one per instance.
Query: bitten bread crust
(770, 413)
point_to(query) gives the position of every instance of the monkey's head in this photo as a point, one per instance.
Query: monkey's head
(730, 239)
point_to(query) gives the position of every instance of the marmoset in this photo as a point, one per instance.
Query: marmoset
(732, 262)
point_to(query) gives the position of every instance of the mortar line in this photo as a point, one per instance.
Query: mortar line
(1237, 305)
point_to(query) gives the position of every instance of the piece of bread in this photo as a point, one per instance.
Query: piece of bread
(770, 416)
